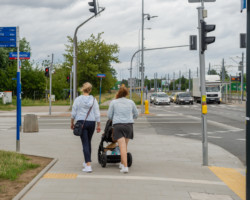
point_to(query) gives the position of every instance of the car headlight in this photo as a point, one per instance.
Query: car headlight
(157, 99)
(181, 99)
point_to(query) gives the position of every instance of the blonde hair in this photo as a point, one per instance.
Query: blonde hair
(86, 87)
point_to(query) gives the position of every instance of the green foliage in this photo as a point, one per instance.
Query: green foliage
(13, 164)
(94, 56)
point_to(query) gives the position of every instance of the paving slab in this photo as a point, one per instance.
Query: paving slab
(164, 167)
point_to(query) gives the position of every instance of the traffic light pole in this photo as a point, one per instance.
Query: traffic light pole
(50, 83)
(75, 55)
(248, 104)
(203, 89)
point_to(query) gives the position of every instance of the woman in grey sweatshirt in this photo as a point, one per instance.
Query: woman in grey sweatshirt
(122, 112)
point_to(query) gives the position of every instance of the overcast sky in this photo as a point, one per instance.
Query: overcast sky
(47, 23)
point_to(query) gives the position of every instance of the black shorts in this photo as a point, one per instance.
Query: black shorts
(123, 130)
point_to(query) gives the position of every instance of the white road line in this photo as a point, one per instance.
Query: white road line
(241, 139)
(215, 137)
(147, 178)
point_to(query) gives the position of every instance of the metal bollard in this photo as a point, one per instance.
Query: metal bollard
(146, 107)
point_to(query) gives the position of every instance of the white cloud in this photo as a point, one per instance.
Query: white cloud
(46, 25)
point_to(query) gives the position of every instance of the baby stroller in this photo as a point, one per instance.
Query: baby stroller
(103, 158)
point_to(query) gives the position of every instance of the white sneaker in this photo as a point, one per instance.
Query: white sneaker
(121, 165)
(124, 170)
(87, 169)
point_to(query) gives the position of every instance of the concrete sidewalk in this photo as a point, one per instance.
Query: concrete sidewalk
(164, 167)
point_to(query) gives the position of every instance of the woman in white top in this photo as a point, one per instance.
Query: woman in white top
(80, 108)
(122, 112)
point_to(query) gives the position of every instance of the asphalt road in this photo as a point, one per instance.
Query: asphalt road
(225, 124)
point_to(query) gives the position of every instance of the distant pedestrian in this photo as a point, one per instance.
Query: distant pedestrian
(122, 112)
(80, 109)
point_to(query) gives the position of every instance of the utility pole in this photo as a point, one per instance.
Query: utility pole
(168, 83)
(209, 69)
(174, 82)
(179, 87)
(242, 78)
(50, 82)
(248, 105)
(189, 83)
(142, 59)
(223, 71)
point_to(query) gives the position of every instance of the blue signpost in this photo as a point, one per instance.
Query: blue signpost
(9, 37)
(101, 76)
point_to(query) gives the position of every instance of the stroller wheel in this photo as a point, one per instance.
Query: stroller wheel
(99, 155)
(129, 158)
(103, 160)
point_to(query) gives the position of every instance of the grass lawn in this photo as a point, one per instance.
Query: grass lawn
(17, 170)
(30, 102)
(13, 164)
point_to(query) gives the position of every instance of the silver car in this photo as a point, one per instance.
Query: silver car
(152, 97)
(161, 98)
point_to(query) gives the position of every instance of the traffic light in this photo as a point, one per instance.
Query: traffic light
(205, 28)
(94, 4)
(68, 79)
(47, 71)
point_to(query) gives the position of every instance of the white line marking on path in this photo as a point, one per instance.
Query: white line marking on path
(241, 139)
(147, 178)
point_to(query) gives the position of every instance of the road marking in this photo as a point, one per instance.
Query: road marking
(233, 179)
(225, 126)
(59, 176)
(241, 139)
(215, 137)
(147, 178)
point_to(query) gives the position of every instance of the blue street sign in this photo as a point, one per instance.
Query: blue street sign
(7, 34)
(7, 29)
(101, 75)
(7, 39)
(22, 55)
(9, 44)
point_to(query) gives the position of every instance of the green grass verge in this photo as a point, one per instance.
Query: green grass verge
(13, 164)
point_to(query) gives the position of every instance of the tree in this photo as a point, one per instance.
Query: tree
(94, 56)
(213, 72)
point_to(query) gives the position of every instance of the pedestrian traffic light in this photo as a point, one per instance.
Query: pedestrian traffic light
(205, 28)
(68, 79)
(94, 4)
(47, 71)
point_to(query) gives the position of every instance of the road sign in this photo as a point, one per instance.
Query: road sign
(132, 82)
(7, 34)
(7, 29)
(10, 44)
(7, 39)
(198, 1)
(101, 75)
(22, 55)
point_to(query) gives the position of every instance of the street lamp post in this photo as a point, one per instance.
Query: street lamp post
(142, 55)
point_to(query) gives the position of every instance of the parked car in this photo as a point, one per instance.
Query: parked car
(161, 98)
(172, 97)
(184, 98)
(152, 96)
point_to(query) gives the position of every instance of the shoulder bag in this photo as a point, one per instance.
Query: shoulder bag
(79, 126)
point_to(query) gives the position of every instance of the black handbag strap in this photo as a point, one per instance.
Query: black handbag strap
(89, 111)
